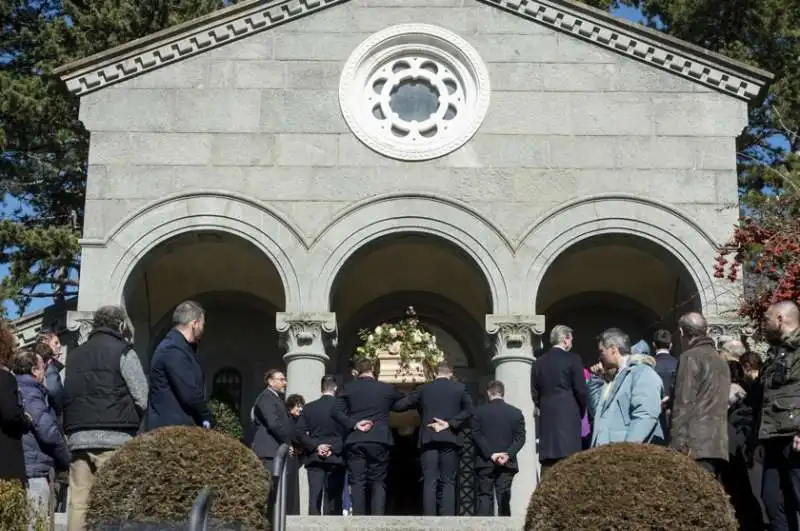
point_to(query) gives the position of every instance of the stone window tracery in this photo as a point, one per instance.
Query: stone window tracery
(414, 92)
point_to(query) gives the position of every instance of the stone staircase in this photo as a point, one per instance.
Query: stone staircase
(382, 523)
(401, 523)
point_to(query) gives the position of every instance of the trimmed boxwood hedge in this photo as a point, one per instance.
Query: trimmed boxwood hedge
(156, 477)
(629, 487)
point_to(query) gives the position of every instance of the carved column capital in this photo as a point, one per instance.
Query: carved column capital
(306, 334)
(80, 324)
(516, 336)
(722, 331)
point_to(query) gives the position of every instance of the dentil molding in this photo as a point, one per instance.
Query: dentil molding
(638, 42)
(568, 16)
(182, 41)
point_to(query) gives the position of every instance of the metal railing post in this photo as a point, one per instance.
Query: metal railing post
(201, 510)
(279, 511)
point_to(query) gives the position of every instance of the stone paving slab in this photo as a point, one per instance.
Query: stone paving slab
(400, 523)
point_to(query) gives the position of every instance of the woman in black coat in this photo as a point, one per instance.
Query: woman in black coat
(13, 421)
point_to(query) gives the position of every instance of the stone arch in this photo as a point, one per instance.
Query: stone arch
(135, 236)
(618, 214)
(444, 218)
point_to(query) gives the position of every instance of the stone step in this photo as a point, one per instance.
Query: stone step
(400, 523)
(381, 523)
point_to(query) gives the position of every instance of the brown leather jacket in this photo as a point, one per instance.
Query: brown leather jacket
(700, 408)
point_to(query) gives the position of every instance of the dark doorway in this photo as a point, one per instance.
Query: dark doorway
(404, 480)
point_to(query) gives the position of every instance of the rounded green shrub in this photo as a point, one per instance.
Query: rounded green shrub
(629, 486)
(14, 509)
(226, 420)
(156, 477)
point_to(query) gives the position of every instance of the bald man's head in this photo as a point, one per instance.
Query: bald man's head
(692, 325)
(780, 320)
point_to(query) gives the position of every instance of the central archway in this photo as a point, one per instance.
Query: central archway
(451, 296)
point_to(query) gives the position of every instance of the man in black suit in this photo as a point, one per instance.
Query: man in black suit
(666, 367)
(321, 437)
(273, 427)
(559, 391)
(363, 409)
(498, 430)
(443, 405)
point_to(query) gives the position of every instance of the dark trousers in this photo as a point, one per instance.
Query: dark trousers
(273, 489)
(780, 490)
(547, 464)
(712, 466)
(367, 464)
(325, 482)
(439, 469)
(493, 482)
(736, 481)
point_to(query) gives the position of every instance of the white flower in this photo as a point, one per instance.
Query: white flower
(378, 330)
(416, 337)
(370, 338)
(394, 348)
(433, 339)
(393, 332)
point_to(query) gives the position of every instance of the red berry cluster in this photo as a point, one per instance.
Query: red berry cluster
(768, 247)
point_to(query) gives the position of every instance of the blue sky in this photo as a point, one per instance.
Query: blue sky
(8, 205)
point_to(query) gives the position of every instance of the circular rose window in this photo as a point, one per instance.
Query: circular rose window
(414, 92)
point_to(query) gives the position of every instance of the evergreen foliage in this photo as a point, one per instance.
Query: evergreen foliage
(226, 419)
(44, 146)
(179, 462)
(629, 486)
(13, 506)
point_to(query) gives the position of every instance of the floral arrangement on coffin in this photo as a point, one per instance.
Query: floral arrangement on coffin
(413, 347)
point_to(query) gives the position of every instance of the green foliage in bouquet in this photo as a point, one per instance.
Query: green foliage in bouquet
(406, 339)
(659, 489)
(226, 419)
(155, 478)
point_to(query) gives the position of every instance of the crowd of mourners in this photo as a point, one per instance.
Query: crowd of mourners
(738, 419)
(736, 415)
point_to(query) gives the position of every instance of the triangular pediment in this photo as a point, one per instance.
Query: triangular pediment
(242, 20)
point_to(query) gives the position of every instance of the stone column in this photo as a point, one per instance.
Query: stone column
(516, 336)
(306, 337)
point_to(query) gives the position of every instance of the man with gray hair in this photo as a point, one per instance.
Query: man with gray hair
(559, 391)
(177, 391)
(732, 350)
(627, 408)
(105, 396)
(699, 425)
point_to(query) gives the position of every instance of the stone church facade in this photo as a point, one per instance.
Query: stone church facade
(308, 168)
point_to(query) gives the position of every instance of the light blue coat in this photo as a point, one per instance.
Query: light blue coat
(630, 411)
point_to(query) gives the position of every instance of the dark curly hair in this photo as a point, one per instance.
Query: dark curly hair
(8, 344)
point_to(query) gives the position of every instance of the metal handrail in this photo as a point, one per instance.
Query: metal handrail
(279, 511)
(201, 510)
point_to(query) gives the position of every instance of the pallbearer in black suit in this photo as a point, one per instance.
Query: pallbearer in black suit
(498, 430)
(443, 405)
(321, 437)
(559, 390)
(363, 409)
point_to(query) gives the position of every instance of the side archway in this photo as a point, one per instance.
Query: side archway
(440, 218)
(662, 226)
(204, 212)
